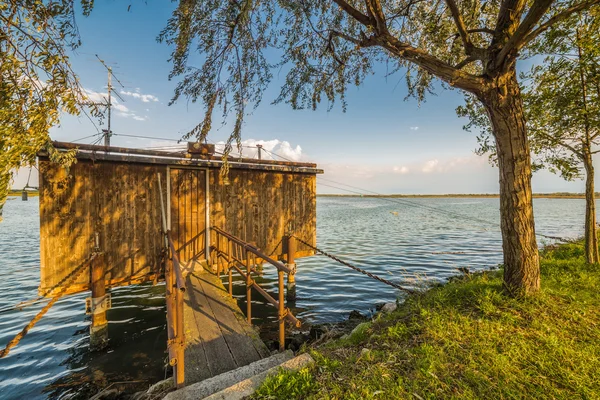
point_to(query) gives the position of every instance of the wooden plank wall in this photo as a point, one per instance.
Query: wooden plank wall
(260, 208)
(118, 201)
(188, 212)
(121, 202)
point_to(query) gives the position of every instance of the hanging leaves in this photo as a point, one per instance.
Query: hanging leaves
(37, 83)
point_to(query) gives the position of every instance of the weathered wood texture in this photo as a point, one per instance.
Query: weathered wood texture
(218, 338)
(263, 207)
(120, 201)
(188, 212)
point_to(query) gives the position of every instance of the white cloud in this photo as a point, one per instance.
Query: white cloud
(120, 107)
(121, 110)
(401, 170)
(414, 128)
(146, 98)
(430, 166)
(274, 149)
(95, 97)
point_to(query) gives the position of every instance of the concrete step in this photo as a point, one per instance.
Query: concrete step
(245, 388)
(242, 381)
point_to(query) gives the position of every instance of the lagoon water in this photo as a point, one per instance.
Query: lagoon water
(405, 241)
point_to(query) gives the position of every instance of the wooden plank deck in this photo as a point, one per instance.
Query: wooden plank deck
(218, 337)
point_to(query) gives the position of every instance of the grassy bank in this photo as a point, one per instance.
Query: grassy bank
(466, 340)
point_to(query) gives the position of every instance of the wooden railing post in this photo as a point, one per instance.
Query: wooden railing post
(179, 373)
(229, 266)
(239, 254)
(175, 334)
(281, 312)
(248, 289)
(291, 263)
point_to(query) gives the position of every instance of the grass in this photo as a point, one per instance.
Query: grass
(466, 340)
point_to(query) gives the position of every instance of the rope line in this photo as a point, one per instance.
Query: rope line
(362, 271)
(43, 311)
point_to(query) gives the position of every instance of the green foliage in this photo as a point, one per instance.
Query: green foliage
(563, 95)
(467, 340)
(561, 98)
(293, 384)
(324, 47)
(37, 83)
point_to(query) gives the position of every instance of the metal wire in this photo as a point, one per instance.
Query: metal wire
(362, 271)
(146, 137)
(87, 137)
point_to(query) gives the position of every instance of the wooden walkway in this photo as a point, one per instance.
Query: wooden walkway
(218, 338)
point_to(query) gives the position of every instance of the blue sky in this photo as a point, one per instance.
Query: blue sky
(382, 143)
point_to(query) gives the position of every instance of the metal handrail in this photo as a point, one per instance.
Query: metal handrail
(233, 246)
(254, 250)
(174, 300)
(176, 264)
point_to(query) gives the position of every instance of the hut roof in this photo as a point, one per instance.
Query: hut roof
(184, 158)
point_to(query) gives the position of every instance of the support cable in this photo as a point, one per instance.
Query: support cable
(362, 271)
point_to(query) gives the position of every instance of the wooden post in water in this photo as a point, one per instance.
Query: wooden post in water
(99, 327)
(229, 266)
(291, 262)
(174, 300)
(281, 312)
(248, 289)
(179, 372)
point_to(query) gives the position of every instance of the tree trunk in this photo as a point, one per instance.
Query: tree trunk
(591, 239)
(504, 105)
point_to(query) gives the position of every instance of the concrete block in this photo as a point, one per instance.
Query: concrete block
(217, 383)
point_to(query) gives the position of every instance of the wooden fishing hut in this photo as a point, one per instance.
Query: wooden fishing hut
(122, 216)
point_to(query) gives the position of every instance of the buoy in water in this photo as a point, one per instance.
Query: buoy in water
(24, 195)
(394, 212)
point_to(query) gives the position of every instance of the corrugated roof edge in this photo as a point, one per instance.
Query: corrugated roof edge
(124, 154)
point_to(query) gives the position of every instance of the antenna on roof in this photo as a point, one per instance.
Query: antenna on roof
(108, 132)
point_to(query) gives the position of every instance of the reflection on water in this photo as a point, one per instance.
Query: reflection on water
(394, 240)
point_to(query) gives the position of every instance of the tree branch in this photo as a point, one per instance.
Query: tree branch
(535, 13)
(431, 64)
(509, 14)
(365, 42)
(561, 16)
(482, 30)
(560, 142)
(460, 25)
(376, 13)
(419, 57)
(354, 13)
(465, 62)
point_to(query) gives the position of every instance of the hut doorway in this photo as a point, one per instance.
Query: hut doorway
(188, 212)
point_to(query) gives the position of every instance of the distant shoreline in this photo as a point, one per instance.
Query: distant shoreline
(32, 193)
(558, 195)
(462, 195)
